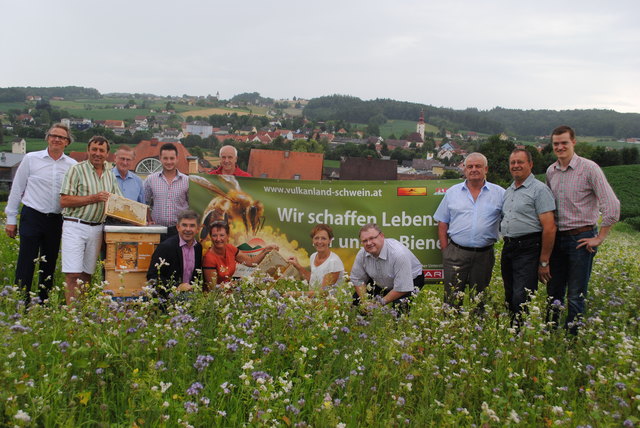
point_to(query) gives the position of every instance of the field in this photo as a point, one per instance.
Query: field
(34, 144)
(399, 127)
(250, 356)
(209, 111)
(624, 179)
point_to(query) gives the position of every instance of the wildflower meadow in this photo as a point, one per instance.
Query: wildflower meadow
(247, 356)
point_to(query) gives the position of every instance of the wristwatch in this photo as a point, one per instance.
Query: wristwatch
(544, 264)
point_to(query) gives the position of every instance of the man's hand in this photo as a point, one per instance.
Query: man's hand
(544, 274)
(185, 287)
(11, 230)
(101, 196)
(590, 243)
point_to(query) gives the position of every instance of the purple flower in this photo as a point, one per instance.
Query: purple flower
(408, 358)
(202, 362)
(292, 409)
(159, 364)
(99, 371)
(191, 407)
(131, 330)
(195, 388)
(400, 401)
(345, 329)
(260, 375)
(171, 343)
(63, 346)
(266, 350)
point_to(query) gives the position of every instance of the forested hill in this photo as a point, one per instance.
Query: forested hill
(66, 92)
(517, 122)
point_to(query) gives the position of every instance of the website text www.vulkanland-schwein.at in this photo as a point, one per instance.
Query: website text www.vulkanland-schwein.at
(328, 191)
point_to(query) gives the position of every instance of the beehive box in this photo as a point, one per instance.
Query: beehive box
(276, 266)
(129, 251)
(126, 210)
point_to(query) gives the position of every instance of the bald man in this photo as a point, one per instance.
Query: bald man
(228, 160)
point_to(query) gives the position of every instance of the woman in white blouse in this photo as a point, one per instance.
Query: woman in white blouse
(327, 269)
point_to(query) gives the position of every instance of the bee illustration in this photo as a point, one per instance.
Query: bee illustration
(230, 206)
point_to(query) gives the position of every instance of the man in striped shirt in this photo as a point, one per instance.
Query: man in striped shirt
(85, 189)
(582, 194)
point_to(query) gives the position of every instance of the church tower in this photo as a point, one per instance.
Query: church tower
(420, 126)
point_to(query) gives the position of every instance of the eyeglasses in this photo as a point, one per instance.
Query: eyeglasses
(366, 241)
(62, 137)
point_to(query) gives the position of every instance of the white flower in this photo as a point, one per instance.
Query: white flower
(165, 386)
(22, 416)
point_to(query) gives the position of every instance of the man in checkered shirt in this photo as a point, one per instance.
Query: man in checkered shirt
(582, 194)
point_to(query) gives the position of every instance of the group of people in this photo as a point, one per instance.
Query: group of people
(63, 205)
(550, 230)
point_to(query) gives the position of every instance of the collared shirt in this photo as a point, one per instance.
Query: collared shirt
(188, 260)
(131, 185)
(582, 192)
(394, 268)
(37, 183)
(523, 206)
(472, 223)
(237, 172)
(166, 199)
(83, 180)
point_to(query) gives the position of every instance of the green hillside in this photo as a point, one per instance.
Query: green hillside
(624, 179)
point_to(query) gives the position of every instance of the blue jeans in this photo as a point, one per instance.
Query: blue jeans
(570, 273)
(519, 266)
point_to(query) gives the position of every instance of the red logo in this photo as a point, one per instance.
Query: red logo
(433, 273)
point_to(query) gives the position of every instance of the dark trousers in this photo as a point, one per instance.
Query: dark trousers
(39, 237)
(402, 304)
(519, 266)
(570, 273)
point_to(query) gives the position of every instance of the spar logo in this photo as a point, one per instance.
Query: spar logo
(440, 190)
(433, 273)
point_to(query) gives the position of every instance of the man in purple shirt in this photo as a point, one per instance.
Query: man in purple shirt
(177, 261)
(582, 194)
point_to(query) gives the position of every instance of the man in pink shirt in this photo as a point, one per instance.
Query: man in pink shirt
(582, 194)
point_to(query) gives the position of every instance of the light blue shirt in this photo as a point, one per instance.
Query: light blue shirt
(472, 223)
(131, 186)
(523, 205)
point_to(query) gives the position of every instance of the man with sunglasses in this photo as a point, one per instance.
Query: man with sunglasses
(384, 268)
(37, 185)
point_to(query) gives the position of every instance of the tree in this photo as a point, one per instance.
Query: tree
(449, 174)
(192, 140)
(497, 152)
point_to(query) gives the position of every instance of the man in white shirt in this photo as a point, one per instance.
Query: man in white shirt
(37, 185)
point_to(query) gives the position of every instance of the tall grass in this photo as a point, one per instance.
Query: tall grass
(249, 356)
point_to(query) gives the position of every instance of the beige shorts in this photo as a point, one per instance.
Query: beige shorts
(80, 247)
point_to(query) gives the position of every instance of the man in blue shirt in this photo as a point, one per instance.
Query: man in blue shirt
(469, 217)
(130, 184)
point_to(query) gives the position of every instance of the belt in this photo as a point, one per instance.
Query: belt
(575, 231)
(41, 213)
(535, 235)
(77, 220)
(476, 250)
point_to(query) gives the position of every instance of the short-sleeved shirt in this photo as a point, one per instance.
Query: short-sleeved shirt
(237, 172)
(332, 264)
(83, 180)
(523, 206)
(166, 199)
(394, 268)
(225, 266)
(472, 223)
(582, 193)
(131, 185)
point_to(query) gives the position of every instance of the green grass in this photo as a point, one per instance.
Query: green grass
(624, 180)
(35, 144)
(331, 163)
(399, 127)
(263, 360)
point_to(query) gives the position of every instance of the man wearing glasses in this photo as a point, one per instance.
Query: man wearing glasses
(130, 184)
(37, 185)
(384, 268)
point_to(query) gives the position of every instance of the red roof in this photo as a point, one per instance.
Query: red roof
(285, 164)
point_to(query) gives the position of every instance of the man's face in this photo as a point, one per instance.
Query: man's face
(563, 146)
(168, 159)
(124, 159)
(58, 139)
(520, 166)
(187, 228)
(475, 169)
(372, 241)
(228, 159)
(98, 154)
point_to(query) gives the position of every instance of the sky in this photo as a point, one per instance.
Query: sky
(468, 53)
